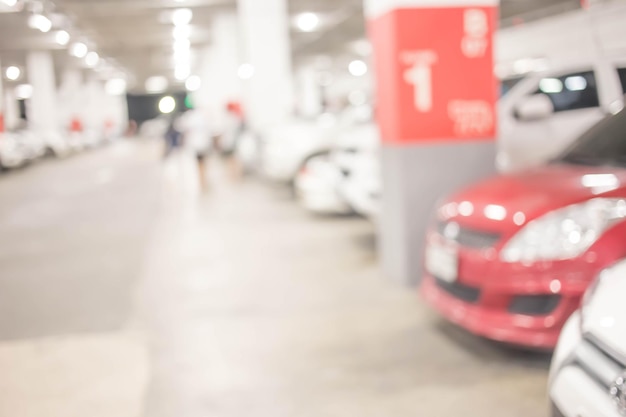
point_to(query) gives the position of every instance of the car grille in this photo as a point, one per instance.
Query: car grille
(472, 238)
(534, 305)
(598, 362)
(460, 291)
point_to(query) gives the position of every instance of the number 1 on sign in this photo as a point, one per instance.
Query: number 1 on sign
(420, 77)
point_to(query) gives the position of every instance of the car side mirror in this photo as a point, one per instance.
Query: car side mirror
(535, 107)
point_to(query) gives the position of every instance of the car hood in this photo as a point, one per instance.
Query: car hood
(604, 314)
(508, 201)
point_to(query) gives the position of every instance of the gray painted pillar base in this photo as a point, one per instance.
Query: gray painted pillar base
(416, 178)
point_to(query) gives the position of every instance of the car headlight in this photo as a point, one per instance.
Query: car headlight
(565, 233)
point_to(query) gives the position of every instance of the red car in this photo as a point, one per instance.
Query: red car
(510, 258)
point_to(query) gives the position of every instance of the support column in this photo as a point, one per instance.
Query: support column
(43, 104)
(220, 83)
(265, 30)
(71, 96)
(436, 109)
(2, 103)
(309, 92)
(11, 110)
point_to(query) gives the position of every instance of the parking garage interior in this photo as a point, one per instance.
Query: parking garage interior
(255, 208)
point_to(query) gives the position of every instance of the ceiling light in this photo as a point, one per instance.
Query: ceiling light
(181, 32)
(307, 22)
(193, 83)
(156, 84)
(362, 47)
(182, 45)
(357, 68)
(182, 55)
(62, 37)
(92, 59)
(24, 91)
(181, 17)
(182, 72)
(40, 22)
(79, 50)
(245, 71)
(13, 73)
(10, 3)
(115, 87)
(167, 105)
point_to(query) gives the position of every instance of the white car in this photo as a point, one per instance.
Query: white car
(31, 144)
(287, 147)
(319, 184)
(588, 372)
(56, 144)
(11, 153)
(362, 189)
(558, 104)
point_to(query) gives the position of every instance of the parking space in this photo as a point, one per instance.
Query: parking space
(229, 303)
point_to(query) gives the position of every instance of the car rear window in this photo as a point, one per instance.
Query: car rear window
(603, 144)
(571, 92)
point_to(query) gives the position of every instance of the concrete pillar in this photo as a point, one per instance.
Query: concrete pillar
(11, 110)
(308, 92)
(268, 94)
(71, 96)
(2, 105)
(43, 104)
(436, 110)
(220, 83)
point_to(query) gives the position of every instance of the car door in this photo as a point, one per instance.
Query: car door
(576, 106)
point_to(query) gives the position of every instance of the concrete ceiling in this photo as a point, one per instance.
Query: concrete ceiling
(135, 37)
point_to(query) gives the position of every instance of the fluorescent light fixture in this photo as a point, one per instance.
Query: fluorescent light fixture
(92, 59)
(24, 91)
(182, 72)
(39, 22)
(13, 73)
(181, 17)
(156, 84)
(307, 22)
(167, 105)
(193, 83)
(79, 50)
(62, 37)
(245, 71)
(357, 68)
(181, 32)
(115, 87)
(182, 45)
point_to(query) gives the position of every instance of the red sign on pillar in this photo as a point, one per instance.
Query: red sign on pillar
(434, 69)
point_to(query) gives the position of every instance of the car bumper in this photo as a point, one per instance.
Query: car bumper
(495, 321)
(362, 200)
(320, 196)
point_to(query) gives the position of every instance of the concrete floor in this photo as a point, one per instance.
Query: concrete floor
(124, 292)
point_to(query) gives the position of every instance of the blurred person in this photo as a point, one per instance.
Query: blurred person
(132, 128)
(199, 138)
(234, 128)
(172, 136)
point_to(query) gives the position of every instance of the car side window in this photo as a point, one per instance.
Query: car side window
(622, 77)
(571, 92)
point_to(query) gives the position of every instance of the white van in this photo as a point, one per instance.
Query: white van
(545, 111)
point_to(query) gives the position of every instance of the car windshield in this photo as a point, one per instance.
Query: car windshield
(507, 85)
(603, 144)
